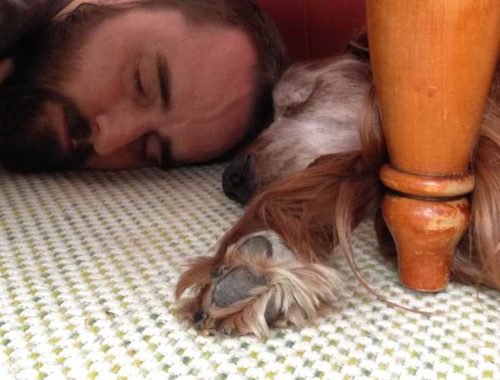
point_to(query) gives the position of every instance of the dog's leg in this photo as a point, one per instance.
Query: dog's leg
(259, 278)
(257, 283)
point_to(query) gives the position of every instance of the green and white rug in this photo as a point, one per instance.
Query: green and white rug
(89, 263)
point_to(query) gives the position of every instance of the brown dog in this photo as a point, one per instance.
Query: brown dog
(315, 175)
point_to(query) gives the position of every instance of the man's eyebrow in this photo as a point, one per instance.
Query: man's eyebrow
(163, 79)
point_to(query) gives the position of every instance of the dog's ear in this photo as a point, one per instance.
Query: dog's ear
(359, 47)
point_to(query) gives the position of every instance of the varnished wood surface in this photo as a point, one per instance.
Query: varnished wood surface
(433, 61)
(426, 234)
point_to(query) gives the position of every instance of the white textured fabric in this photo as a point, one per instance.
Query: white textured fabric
(89, 262)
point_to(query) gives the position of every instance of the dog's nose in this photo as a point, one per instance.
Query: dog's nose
(237, 179)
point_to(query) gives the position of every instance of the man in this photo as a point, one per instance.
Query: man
(125, 84)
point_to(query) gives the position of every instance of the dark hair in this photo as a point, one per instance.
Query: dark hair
(43, 59)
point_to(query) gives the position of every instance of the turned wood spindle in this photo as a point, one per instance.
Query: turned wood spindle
(433, 61)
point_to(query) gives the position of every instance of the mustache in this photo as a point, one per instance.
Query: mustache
(79, 130)
(79, 127)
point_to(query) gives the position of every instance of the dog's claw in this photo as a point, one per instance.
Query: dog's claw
(198, 318)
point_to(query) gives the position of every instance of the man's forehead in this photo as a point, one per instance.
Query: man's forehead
(130, 13)
(172, 22)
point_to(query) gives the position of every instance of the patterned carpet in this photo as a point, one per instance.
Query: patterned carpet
(89, 261)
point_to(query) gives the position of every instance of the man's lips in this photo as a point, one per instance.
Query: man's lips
(56, 118)
(66, 141)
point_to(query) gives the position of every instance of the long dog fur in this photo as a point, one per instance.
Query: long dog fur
(315, 196)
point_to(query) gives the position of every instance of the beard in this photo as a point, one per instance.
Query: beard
(44, 61)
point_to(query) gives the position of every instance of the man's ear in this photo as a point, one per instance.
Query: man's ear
(72, 5)
(6, 68)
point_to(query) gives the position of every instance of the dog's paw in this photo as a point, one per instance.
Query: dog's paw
(260, 283)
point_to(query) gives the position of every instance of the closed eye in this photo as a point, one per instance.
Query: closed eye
(139, 87)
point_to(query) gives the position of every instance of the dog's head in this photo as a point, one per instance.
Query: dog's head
(318, 110)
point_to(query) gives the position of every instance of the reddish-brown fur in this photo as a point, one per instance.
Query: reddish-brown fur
(318, 207)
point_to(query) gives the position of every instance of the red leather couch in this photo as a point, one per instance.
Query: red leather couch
(316, 28)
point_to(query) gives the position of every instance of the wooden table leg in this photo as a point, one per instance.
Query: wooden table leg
(433, 61)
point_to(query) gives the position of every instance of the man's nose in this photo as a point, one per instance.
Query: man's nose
(116, 130)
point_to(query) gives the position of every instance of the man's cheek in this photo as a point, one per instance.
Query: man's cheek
(120, 160)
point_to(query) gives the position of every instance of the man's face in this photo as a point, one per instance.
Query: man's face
(152, 88)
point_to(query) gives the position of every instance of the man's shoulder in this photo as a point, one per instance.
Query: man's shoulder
(18, 17)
